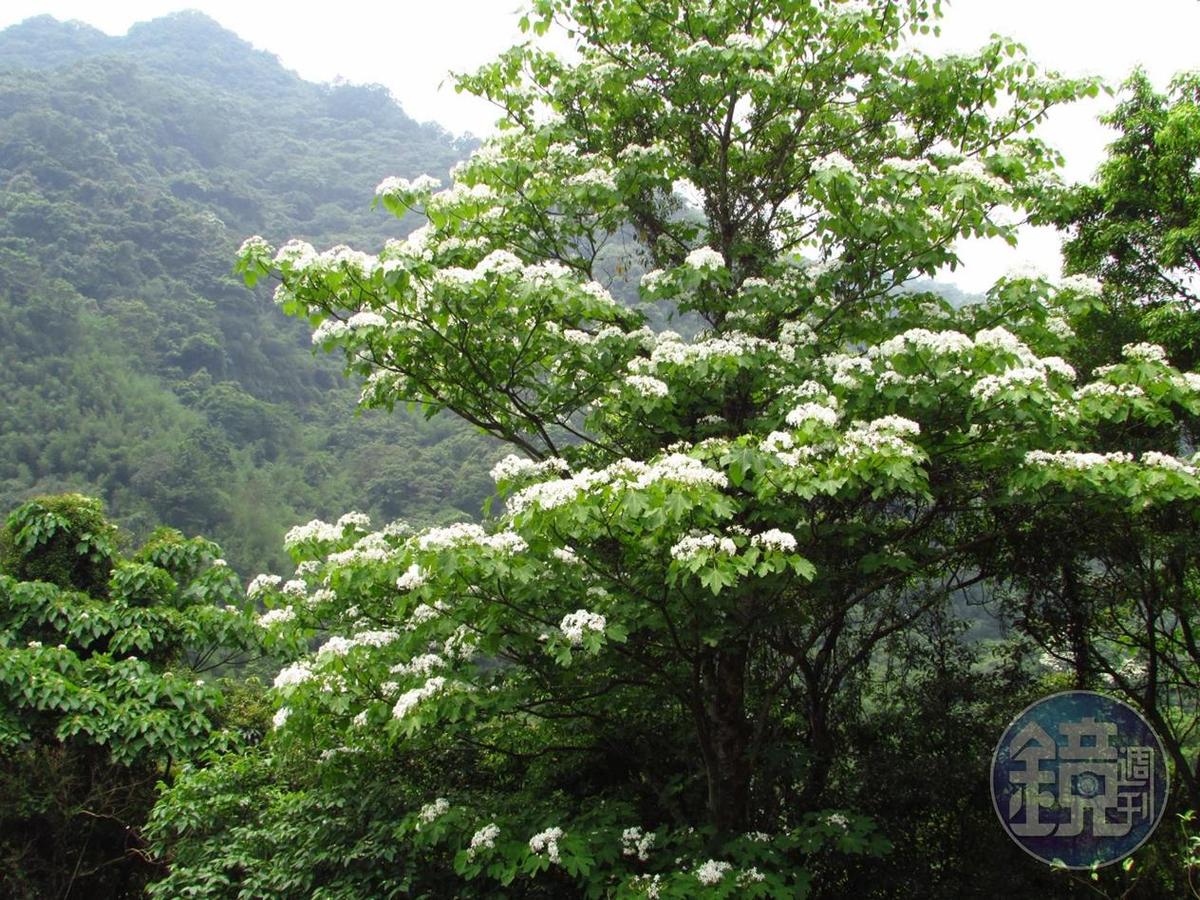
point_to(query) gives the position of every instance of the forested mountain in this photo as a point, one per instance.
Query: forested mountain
(134, 365)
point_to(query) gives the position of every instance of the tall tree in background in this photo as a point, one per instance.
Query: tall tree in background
(635, 679)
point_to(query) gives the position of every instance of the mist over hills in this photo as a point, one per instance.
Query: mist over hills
(135, 366)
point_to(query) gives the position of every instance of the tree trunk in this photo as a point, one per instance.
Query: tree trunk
(725, 735)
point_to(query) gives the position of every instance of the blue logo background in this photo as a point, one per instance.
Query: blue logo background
(1096, 772)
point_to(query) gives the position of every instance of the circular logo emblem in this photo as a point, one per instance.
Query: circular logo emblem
(1079, 779)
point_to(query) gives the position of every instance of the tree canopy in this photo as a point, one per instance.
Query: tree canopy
(638, 677)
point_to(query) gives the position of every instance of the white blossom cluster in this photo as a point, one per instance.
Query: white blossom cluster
(651, 885)
(418, 665)
(292, 675)
(1158, 460)
(277, 616)
(484, 839)
(337, 645)
(1107, 389)
(547, 841)
(706, 259)
(838, 820)
(886, 435)
(1081, 284)
(1072, 459)
(775, 539)
(1053, 662)
(692, 545)
(261, 583)
(647, 385)
(988, 387)
(1145, 353)
(409, 699)
(295, 588)
(635, 842)
(712, 872)
(431, 812)
(393, 186)
(812, 412)
(373, 547)
(460, 644)
(315, 530)
(670, 349)
(975, 171)
(281, 716)
(412, 578)
(464, 534)
(593, 178)
(750, 876)
(834, 162)
(574, 626)
(514, 467)
(939, 343)
(425, 613)
(675, 468)
(566, 555)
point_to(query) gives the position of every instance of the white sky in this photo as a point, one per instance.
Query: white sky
(411, 45)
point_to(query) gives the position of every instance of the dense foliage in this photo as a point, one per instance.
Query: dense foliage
(135, 366)
(788, 532)
(657, 670)
(100, 690)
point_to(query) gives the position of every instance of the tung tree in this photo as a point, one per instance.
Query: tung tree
(646, 654)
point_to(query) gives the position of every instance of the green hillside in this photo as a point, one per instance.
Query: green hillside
(134, 365)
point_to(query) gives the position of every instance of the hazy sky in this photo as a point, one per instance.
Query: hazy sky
(411, 45)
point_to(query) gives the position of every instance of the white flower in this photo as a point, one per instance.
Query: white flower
(774, 539)
(712, 872)
(565, 555)
(295, 588)
(1145, 353)
(974, 170)
(421, 185)
(254, 244)
(430, 812)
(290, 676)
(357, 520)
(425, 613)
(637, 843)
(1071, 459)
(315, 530)
(281, 716)
(261, 583)
(366, 320)
(484, 839)
(548, 841)
(750, 876)
(276, 616)
(1107, 389)
(1163, 461)
(834, 162)
(574, 625)
(414, 576)
(1081, 284)
(837, 819)
(409, 699)
(812, 412)
(705, 259)
(650, 387)
(418, 665)
(694, 544)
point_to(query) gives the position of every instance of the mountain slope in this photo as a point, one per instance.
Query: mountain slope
(134, 365)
